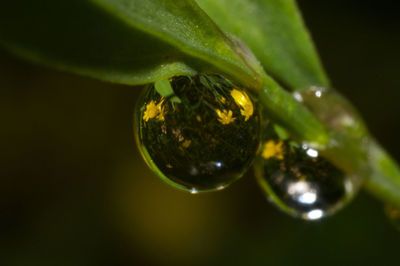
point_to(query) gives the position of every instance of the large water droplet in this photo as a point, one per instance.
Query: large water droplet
(197, 133)
(301, 182)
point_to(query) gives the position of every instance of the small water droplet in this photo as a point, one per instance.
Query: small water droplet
(203, 142)
(300, 181)
(333, 109)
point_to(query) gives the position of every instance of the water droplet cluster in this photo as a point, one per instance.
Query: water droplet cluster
(197, 133)
(202, 133)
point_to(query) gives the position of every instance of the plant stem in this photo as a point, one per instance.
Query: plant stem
(384, 178)
(284, 109)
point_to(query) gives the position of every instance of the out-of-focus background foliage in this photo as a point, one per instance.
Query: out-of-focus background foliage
(74, 190)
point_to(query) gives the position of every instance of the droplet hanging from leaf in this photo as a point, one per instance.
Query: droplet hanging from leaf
(299, 181)
(333, 109)
(197, 133)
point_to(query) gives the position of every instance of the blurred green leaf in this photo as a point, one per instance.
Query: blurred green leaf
(163, 87)
(123, 41)
(275, 32)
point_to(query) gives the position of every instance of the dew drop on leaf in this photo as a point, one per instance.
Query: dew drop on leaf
(333, 109)
(197, 133)
(301, 182)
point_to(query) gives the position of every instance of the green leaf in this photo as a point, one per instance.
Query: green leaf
(124, 41)
(276, 34)
(384, 176)
(281, 132)
(164, 88)
(136, 42)
(282, 108)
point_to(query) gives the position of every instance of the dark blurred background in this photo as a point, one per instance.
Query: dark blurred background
(74, 190)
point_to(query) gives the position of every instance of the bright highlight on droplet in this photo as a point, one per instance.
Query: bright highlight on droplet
(308, 198)
(315, 214)
(298, 96)
(312, 153)
(302, 192)
(220, 188)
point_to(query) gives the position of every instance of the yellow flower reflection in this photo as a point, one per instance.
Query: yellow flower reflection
(186, 143)
(273, 149)
(244, 102)
(225, 116)
(161, 110)
(154, 110)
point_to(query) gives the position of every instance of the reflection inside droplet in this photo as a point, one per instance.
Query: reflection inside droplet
(193, 170)
(314, 214)
(217, 164)
(200, 136)
(312, 153)
(299, 181)
(308, 197)
(302, 192)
